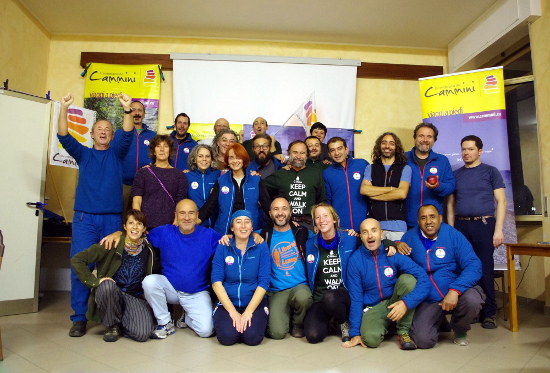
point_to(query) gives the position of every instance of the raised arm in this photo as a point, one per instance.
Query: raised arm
(128, 122)
(62, 124)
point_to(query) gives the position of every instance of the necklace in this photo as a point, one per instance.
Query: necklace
(133, 248)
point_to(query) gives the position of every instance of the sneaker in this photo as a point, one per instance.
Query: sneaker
(297, 332)
(78, 329)
(111, 334)
(162, 331)
(180, 324)
(405, 342)
(461, 339)
(489, 323)
(344, 327)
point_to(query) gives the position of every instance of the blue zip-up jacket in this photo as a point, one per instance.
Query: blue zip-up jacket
(182, 151)
(199, 187)
(437, 165)
(372, 278)
(226, 197)
(240, 274)
(346, 246)
(450, 263)
(138, 155)
(254, 166)
(342, 186)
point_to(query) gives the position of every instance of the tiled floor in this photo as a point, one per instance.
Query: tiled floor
(39, 343)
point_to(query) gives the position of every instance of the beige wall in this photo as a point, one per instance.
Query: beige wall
(24, 50)
(381, 104)
(540, 53)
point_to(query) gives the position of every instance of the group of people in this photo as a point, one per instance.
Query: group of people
(252, 244)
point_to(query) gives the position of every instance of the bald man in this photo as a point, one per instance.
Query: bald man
(383, 289)
(219, 125)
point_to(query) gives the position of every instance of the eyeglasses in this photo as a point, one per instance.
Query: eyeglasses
(265, 146)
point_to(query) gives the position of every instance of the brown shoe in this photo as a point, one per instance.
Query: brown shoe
(78, 329)
(297, 332)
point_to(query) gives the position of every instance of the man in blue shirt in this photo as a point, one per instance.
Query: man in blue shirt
(471, 210)
(98, 201)
(183, 140)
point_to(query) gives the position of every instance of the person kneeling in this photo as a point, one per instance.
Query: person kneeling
(378, 296)
(240, 277)
(117, 296)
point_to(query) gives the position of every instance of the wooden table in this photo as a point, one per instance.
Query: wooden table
(519, 249)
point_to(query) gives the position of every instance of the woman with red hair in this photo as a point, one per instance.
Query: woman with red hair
(235, 190)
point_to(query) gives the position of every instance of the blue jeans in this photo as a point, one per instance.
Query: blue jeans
(88, 229)
(253, 335)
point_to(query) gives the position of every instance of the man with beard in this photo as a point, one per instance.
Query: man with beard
(264, 163)
(432, 177)
(138, 155)
(183, 140)
(302, 186)
(343, 184)
(316, 159)
(259, 126)
(288, 292)
(386, 183)
(219, 125)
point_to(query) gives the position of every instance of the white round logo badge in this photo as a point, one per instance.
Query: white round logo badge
(356, 175)
(433, 170)
(225, 189)
(146, 142)
(186, 150)
(229, 260)
(388, 272)
(194, 185)
(310, 258)
(440, 253)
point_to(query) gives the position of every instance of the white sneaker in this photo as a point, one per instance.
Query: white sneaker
(180, 324)
(162, 331)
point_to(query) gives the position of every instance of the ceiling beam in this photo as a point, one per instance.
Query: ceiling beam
(367, 70)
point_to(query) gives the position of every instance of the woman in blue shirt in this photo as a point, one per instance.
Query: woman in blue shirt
(241, 273)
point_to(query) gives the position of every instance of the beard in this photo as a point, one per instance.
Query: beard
(262, 158)
(284, 224)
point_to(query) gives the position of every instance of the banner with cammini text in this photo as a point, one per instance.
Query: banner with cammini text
(104, 82)
(80, 123)
(472, 103)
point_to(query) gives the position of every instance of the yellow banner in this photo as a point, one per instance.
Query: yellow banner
(105, 81)
(461, 93)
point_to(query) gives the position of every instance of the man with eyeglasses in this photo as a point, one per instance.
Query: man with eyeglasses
(264, 162)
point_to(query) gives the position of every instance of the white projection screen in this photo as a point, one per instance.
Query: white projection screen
(241, 88)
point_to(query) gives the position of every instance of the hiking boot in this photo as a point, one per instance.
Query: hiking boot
(405, 342)
(489, 323)
(344, 327)
(162, 331)
(461, 339)
(112, 334)
(78, 329)
(180, 324)
(297, 332)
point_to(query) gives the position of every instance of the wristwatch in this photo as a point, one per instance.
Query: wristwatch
(129, 111)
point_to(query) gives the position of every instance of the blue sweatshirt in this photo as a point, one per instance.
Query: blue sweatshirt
(185, 258)
(372, 278)
(437, 165)
(138, 155)
(99, 189)
(182, 151)
(346, 246)
(450, 263)
(240, 274)
(342, 186)
(199, 187)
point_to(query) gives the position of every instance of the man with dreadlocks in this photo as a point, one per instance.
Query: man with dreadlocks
(386, 182)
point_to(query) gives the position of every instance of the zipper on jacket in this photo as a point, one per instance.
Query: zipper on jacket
(377, 276)
(430, 272)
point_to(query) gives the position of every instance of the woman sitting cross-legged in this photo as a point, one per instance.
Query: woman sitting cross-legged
(117, 299)
(241, 273)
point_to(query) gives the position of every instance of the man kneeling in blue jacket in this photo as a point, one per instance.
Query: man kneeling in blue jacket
(453, 269)
(383, 289)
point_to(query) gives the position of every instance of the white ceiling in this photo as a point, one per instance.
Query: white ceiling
(400, 23)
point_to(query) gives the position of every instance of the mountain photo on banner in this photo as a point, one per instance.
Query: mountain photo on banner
(104, 82)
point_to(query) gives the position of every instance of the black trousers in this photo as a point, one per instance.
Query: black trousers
(334, 304)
